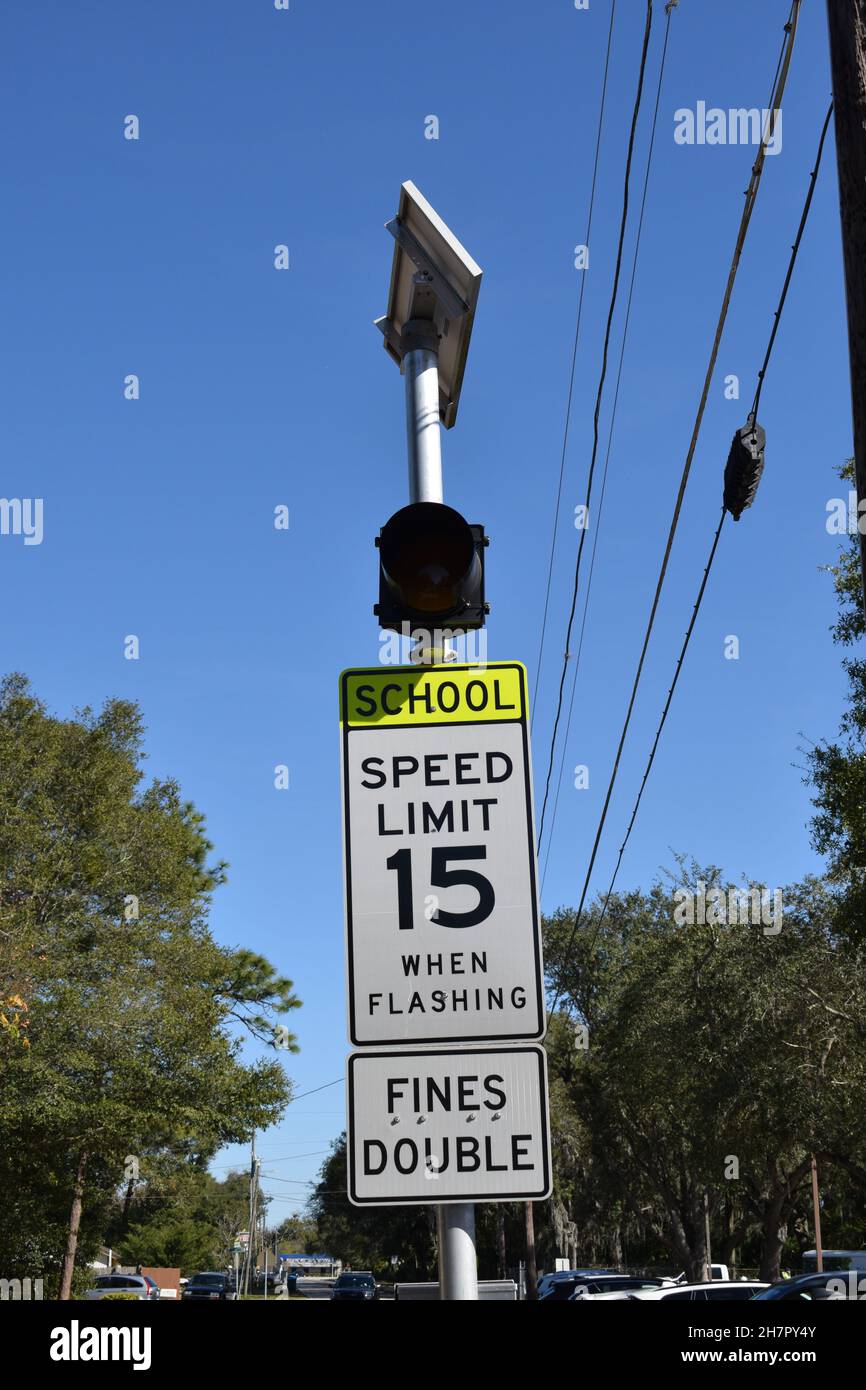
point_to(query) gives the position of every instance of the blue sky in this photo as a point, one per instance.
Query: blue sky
(262, 387)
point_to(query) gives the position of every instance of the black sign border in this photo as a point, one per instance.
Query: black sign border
(541, 1057)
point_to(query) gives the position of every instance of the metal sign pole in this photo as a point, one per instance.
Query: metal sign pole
(458, 1265)
(420, 368)
(421, 373)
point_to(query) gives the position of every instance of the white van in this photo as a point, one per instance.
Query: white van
(718, 1271)
(835, 1259)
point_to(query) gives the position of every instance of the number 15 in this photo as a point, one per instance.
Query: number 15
(443, 877)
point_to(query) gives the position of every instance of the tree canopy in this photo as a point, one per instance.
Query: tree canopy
(121, 1018)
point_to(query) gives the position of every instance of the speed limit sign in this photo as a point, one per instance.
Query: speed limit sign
(442, 927)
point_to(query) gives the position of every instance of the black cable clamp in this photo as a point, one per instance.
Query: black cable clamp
(744, 467)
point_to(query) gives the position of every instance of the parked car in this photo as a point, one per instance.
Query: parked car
(275, 1281)
(210, 1285)
(546, 1281)
(719, 1291)
(832, 1284)
(626, 1284)
(355, 1288)
(591, 1282)
(140, 1285)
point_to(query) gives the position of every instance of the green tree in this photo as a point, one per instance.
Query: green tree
(837, 770)
(707, 1043)
(298, 1234)
(182, 1216)
(132, 1009)
(368, 1237)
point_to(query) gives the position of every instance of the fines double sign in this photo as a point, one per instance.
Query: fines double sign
(442, 923)
(448, 1125)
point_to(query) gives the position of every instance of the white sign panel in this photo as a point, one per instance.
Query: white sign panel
(437, 1125)
(442, 924)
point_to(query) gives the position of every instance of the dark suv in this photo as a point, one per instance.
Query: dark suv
(209, 1285)
(275, 1281)
(355, 1288)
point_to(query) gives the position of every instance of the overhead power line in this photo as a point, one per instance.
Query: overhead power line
(295, 1182)
(315, 1089)
(753, 417)
(599, 393)
(813, 179)
(597, 523)
(751, 194)
(573, 359)
(290, 1158)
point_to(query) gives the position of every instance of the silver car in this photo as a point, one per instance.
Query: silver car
(137, 1284)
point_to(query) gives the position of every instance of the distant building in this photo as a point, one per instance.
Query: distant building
(325, 1266)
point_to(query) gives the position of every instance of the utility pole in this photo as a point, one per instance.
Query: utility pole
(251, 1233)
(500, 1231)
(816, 1208)
(709, 1253)
(847, 25)
(531, 1269)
